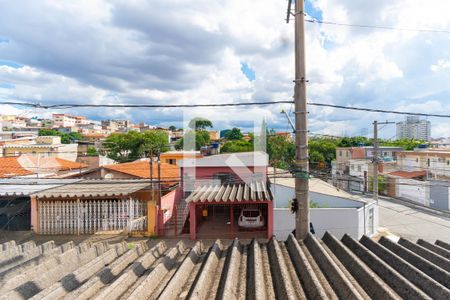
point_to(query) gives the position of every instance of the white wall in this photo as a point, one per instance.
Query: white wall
(283, 194)
(68, 151)
(414, 190)
(337, 221)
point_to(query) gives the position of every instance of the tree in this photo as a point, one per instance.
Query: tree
(200, 123)
(92, 151)
(236, 146)
(66, 138)
(281, 151)
(234, 134)
(125, 147)
(172, 128)
(201, 139)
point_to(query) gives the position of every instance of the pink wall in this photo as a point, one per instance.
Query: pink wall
(242, 173)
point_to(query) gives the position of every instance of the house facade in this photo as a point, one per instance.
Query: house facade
(436, 162)
(220, 196)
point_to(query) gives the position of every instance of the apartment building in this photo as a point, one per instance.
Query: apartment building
(64, 120)
(116, 125)
(414, 128)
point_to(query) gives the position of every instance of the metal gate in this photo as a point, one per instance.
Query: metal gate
(90, 216)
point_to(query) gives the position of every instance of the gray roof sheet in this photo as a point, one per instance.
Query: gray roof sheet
(16, 187)
(94, 188)
(255, 191)
(310, 269)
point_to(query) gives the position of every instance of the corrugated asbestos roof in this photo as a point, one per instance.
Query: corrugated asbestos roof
(15, 187)
(255, 191)
(94, 188)
(309, 269)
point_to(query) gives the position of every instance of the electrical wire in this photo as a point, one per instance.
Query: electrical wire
(74, 105)
(378, 26)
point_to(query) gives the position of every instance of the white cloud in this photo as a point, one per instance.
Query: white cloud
(163, 52)
(441, 64)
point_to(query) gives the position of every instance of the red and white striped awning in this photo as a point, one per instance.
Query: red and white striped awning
(240, 192)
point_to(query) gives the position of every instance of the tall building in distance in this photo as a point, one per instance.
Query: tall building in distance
(414, 128)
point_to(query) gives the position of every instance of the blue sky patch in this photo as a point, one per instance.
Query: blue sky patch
(312, 11)
(11, 64)
(248, 72)
(6, 85)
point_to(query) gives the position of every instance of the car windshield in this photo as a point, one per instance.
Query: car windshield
(251, 213)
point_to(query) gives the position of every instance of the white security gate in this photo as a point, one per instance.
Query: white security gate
(90, 216)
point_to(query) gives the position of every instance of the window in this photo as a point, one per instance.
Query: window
(340, 153)
(353, 167)
(224, 178)
(428, 162)
(346, 153)
(359, 168)
(171, 161)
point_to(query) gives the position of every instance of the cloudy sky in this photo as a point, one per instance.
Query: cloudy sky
(207, 51)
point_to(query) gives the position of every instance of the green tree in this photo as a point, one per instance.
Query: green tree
(407, 144)
(236, 146)
(281, 151)
(201, 139)
(92, 151)
(172, 128)
(125, 147)
(66, 138)
(234, 134)
(200, 123)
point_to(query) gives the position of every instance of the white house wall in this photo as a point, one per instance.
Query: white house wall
(283, 194)
(414, 190)
(338, 221)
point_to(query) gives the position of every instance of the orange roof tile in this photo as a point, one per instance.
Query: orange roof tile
(69, 165)
(52, 163)
(10, 167)
(141, 169)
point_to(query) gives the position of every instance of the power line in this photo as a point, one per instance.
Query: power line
(74, 105)
(379, 27)
(378, 110)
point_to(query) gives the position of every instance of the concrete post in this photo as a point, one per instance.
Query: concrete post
(34, 214)
(269, 219)
(193, 221)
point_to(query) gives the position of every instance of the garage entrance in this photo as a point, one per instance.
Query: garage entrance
(15, 213)
(232, 220)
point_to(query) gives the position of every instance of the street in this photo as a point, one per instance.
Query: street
(413, 223)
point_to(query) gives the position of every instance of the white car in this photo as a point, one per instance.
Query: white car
(251, 218)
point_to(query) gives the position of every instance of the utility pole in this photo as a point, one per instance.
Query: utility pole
(375, 158)
(375, 161)
(301, 126)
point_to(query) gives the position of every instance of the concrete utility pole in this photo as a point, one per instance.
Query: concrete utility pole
(301, 126)
(375, 161)
(375, 158)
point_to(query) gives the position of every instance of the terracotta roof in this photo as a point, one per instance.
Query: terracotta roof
(10, 167)
(256, 191)
(50, 163)
(308, 269)
(29, 164)
(141, 169)
(409, 175)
